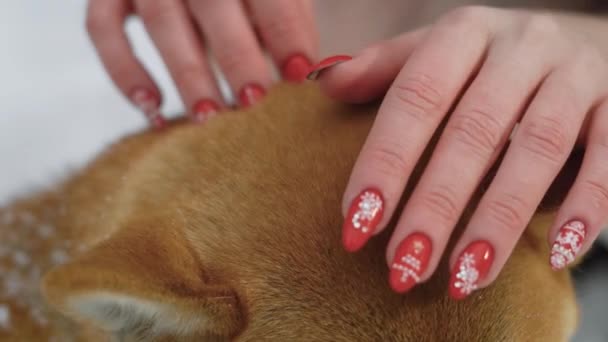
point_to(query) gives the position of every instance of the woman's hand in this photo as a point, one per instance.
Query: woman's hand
(493, 68)
(183, 30)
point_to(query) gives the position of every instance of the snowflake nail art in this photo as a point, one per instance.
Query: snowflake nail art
(567, 244)
(410, 262)
(369, 205)
(467, 275)
(473, 265)
(364, 215)
(148, 104)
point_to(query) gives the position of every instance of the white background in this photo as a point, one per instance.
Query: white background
(57, 106)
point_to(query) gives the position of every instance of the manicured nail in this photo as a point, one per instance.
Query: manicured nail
(296, 68)
(250, 94)
(567, 244)
(315, 70)
(411, 259)
(203, 110)
(362, 219)
(472, 266)
(149, 104)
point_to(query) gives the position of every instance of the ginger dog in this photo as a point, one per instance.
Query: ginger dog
(231, 231)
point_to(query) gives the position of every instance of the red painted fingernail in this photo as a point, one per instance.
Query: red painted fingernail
(204, 109)
(316, 70)
(472, 266)
(149, 104)
(411, 260)
(296, 68)
(362, 219)
(250, 94)
(567, 244)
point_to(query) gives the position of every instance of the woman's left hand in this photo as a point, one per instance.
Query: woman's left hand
(491, 68)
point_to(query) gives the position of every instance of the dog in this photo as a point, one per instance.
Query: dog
(230, 231)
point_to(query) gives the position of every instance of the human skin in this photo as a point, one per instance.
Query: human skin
(510, 36)
(491, 69)
(184, 31)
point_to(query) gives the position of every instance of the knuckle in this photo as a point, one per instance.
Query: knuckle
(91, 24)
(590, 55)
(96, 22)
(478, 129)
(597, 192)
(442, 202)
(545, 137)
(540, 27)
(390, 159)
(589, 61)
(155, 12)
(188, 73)
(599, 141)
(466, 15)
(280, 28)
(117, 72)
(506, 212)
(231, 58)
(418, 95)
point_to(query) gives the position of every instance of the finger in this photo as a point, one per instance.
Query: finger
(235, 46)
(285, 30)
(538, 151)
(369, 74)
(173, 33)
(470, 143)
(585, 210)
(105, 24)
(307, 8)
(412, 110)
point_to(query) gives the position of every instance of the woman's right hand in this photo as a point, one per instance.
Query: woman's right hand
(183, 30)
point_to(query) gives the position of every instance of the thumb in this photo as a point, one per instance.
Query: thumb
(370, 73)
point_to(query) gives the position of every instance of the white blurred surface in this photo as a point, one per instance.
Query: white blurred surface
(57, 106)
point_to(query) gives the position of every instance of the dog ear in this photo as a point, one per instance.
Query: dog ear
(144, 282)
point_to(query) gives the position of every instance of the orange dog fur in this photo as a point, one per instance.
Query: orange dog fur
(231, 231)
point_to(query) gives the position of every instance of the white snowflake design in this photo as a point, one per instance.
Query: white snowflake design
(564, 251)
(569, 238)
(467, 274)
(567, 244)
(558, 261)
(369, 205)
(143, 101)
(577, 227)
(418, 247)
(146, 104)
(409, 267)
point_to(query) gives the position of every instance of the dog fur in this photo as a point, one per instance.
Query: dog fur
(231, 231)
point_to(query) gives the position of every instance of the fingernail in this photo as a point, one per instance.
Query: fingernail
(250, 94)
(296, 68)
(362, 219)
(472, 266)
(316, 70)
(203, 110)
(149, 104)
(411, 259)
(567, 244)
